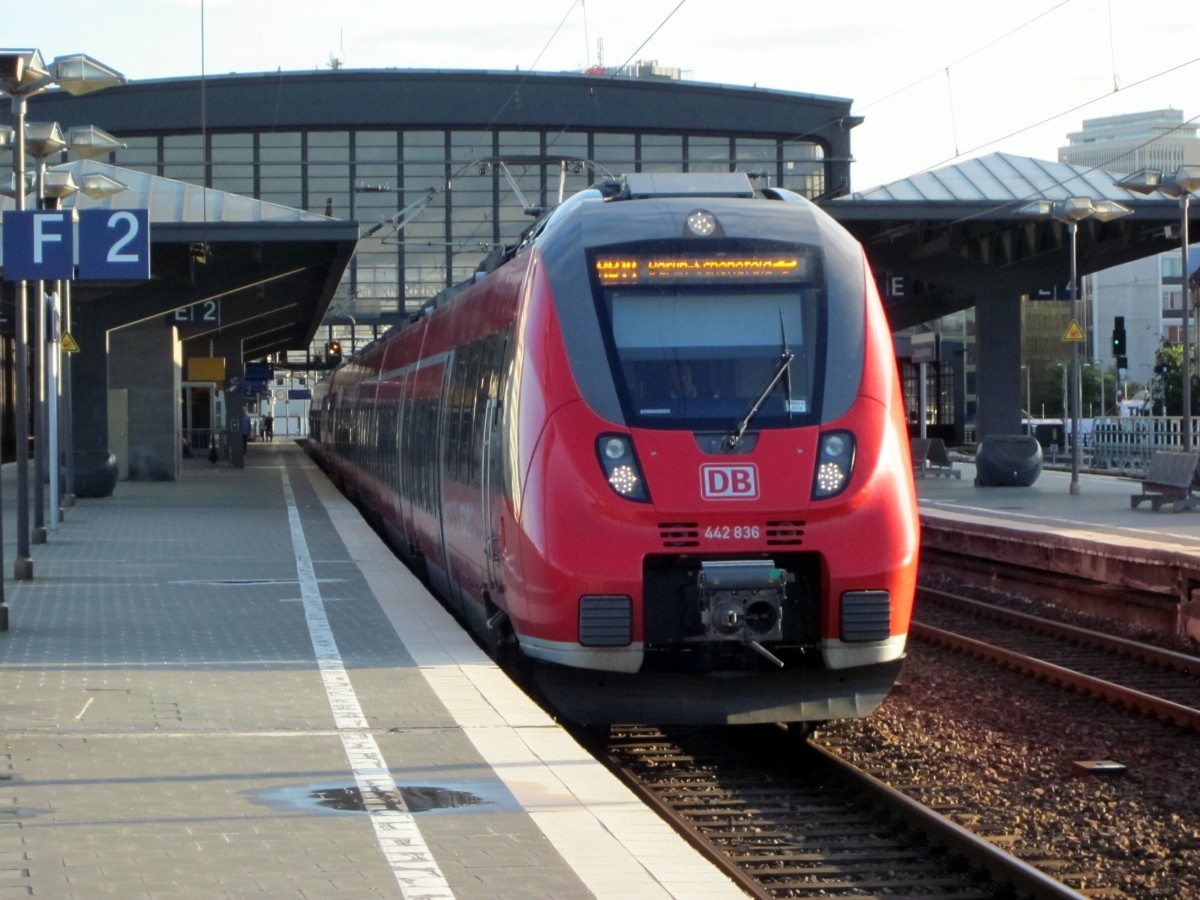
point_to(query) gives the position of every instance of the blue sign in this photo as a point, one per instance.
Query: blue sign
(38, 245)
(257, 371)
(114, 244)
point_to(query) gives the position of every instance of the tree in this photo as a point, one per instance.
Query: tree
(1168, 366)
(1090, 376)
(1048, 393)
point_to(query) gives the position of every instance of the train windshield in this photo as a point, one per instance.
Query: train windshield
(706, 351)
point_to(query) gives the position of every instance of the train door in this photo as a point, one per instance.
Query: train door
(421, 468)
(492, 480)
(437, 558)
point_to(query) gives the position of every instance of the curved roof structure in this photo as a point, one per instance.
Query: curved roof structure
(999, 178)
(948, 231)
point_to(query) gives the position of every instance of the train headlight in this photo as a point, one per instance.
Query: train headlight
(701, 223)
(835, 462)
(621, 467)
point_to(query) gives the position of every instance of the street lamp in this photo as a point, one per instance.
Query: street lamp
(1181, 183)
(24, 73)
(1072, 211)
(43, 140)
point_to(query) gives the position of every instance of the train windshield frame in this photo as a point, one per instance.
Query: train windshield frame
(694, 338)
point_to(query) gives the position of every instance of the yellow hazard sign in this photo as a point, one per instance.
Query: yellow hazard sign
(68, 343)
(1074, 332)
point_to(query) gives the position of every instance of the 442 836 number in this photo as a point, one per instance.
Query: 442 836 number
(732, 532)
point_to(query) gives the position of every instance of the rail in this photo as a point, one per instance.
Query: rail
(205, 443)
(1128, 443)
(1137, 676)
(213, 443)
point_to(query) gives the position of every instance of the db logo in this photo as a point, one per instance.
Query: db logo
(729, 482)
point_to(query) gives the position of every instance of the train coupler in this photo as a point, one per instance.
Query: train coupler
(742, 600)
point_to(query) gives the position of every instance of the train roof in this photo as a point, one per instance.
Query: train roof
(644, 185)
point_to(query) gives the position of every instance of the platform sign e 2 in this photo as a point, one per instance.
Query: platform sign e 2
(114, 244)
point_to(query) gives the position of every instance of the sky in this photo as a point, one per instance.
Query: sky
(936, 81)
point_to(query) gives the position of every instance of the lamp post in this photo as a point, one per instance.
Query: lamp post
(53, 393)
(1028, 400)
(1072, 211)
(49, 191)
(24, 73)
(42, 141)
(1181, 183)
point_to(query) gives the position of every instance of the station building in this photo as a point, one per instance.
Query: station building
(441, 167)
(437, 168)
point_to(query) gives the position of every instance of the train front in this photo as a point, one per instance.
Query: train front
(717, 507)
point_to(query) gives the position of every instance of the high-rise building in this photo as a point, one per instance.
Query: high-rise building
(1158, 139)
(1149, 292)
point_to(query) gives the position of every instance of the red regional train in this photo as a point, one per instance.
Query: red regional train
(656, 453)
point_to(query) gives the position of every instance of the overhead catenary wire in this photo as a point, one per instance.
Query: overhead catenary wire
(964, 58)
(1068, 111)
(950, 98)
(958, 151)
(514, 96)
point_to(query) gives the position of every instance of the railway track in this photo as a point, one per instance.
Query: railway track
(1138, 676)
(794, 820)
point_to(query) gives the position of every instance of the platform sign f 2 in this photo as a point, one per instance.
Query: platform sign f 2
(37, 245)
(114, 244)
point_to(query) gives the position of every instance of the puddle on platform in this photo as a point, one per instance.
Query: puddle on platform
(348, 799)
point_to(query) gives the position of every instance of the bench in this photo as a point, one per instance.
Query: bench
(1170, 479)
(929, 457)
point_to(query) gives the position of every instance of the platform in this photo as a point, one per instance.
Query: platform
(204, 679)
(1093, 533)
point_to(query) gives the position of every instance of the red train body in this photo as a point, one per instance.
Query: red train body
(658, 453)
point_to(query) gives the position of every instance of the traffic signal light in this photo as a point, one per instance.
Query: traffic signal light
(333, 352)
(1118, 336)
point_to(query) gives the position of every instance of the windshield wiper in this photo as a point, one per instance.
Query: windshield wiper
(785, 360)
(735, 437)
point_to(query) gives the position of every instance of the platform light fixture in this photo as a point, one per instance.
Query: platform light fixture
(1072, 211)
(53, 371)
(89, 142)
(23, 73)
(1181, 184)
(86, 141)
(97, 185)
